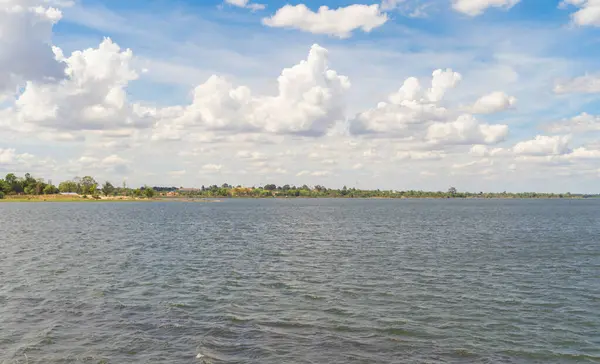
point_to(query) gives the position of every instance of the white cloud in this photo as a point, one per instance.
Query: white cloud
(420, 155)
(587, 84)
(408, 109)
(543, 145)
(320, 173)
(11, 160)
(329, 162)
(92, 97)
(584, 153)
(480, 150)
(212, 167)
(478, 163)
(7, 156)
(177, 173)
(582, 123)
(255, 156)
(410, 8)
(391, 4)
(415, 113)
(466, 130)
(25, 51)
(340, 22)
(588, 13)
(112, 163)
(493, 103)
(441, 82)
(246, 4)
(309, 102)
(357, 166)
(314, 173)
(477, 7)
(113, 160)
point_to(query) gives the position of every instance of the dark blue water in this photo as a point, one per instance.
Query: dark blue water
(301, 281)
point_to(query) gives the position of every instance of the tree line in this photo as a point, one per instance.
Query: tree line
(272, 190)
(84, 186)
(88, 186)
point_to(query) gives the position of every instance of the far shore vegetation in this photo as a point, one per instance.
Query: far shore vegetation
(29, 188)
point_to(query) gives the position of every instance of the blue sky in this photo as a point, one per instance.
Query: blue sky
(518, 53)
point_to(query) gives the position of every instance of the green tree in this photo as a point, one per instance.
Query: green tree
(4, 186)
(88, 185)
(50, 190)
(11, 179)
(108, 188)
(1, 195)
(68, 187)
(148, 192)
(15, 183)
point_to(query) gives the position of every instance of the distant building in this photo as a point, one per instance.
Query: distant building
(69, 194)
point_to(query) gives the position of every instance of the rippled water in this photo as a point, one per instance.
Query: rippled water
(301, 281)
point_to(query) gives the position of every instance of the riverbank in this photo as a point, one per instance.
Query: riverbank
(71, 198)
(62, 198)
(78, 198)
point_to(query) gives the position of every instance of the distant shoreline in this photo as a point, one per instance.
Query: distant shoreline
(57, 198)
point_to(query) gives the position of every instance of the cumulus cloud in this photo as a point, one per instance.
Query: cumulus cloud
(466, 130)
(413, 112)
(582, 123)
(543, 145)
(493, 103)
(246, 4)
(91, 97)
(478, 7)
(310, 100)
(25, 35)
(587, 84)
(442, 81)
(408, 109)
(340, 22)
(588, 13)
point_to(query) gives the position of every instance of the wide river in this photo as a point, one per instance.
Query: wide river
(301, 281)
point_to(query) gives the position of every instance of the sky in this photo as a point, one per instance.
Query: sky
(482, 95)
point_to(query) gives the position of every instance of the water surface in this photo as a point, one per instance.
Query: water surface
(301, 281)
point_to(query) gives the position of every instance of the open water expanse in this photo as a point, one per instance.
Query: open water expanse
(301, 281)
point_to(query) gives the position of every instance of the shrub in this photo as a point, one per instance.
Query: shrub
(1, 195)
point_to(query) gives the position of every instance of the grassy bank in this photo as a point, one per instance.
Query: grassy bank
(61, 198)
